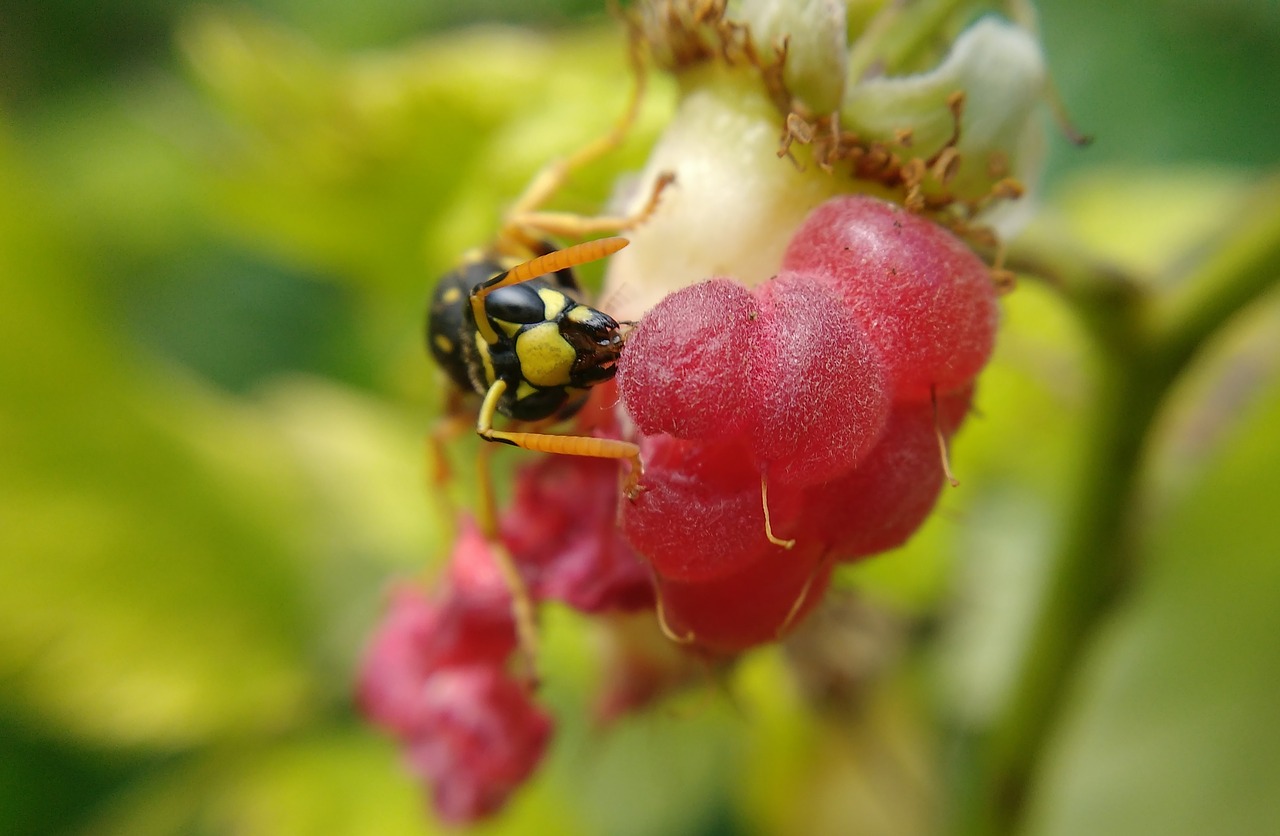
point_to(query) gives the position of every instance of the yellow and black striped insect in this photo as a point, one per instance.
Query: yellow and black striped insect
(520, 338)
(510, 326)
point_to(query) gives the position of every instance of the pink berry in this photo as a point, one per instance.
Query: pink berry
(479, 736)
(879, 504)
(926, 300)
(562, 530)
(700, 515)
(755, 606)
(395, 663)
(475, 622)
(684, 371)
(818, 396)
(468, 622)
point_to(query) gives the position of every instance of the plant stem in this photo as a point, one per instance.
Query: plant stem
(1144, 344)
(1230, 278)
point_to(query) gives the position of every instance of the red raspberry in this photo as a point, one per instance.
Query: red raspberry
(700, 516)
(790, 369)
(754, 606)
(475, 623)
(435, 676)
(879, 504)
(831, 407)
(926, 300)
(817, 400)
(477, 738)
(685, 368)
(395, 664)
(562, 530)
(468, 622)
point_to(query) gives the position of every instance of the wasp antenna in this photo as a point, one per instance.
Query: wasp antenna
(583, 253)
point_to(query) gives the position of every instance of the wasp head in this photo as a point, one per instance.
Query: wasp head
(597, 344)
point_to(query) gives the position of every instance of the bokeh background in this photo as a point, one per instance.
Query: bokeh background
(218, 228)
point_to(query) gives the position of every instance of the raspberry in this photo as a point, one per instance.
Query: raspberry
(818, 392)
(820, 385)
(477, 738)
(685, 368)
(700, 517)
(468, 622)
(475, 622)
(562, 531)
(879, 504)
(750, 607)
(435, 677)
(926, 300)
(790, 369)
(394, 664)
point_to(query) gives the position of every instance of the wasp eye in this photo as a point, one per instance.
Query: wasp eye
(518, 303)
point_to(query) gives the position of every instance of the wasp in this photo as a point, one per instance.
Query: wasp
(509, 326)
(520, 338)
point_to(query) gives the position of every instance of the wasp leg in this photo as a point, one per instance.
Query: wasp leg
(569, 225)
(522, 605)
(438, 472)
(523, 612)
(567, 445)
(552, 177)
(452, 424)
(768, 526)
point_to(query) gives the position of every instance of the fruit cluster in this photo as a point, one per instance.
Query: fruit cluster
(783, 430)
(437, 672)
(435, 676)
(823, 400)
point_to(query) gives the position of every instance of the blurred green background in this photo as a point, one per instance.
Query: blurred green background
(217, 230)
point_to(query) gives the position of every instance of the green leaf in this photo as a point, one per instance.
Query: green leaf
(332, 784)
(1143, 221)
(151, 587)
(374, 167)
(666, 770)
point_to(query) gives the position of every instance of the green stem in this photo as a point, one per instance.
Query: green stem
(1227, 280)
(1144, 344)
